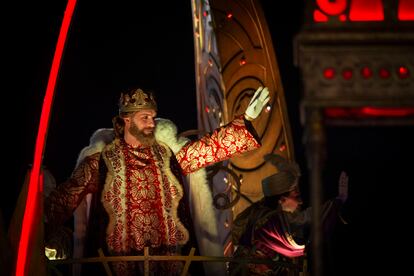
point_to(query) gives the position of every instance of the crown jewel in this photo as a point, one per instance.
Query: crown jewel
(135, 100)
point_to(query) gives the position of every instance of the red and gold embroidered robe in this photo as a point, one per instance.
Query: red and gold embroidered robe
(143, 204)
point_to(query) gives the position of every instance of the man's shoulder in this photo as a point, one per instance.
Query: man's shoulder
(98, 141)
(166, 134)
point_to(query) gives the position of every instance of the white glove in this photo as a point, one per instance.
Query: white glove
(259, 100)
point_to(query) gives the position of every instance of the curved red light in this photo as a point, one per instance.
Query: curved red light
(34, 192)
(318, 16)
(332, 7)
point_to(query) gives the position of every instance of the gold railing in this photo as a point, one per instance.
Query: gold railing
(295, 268)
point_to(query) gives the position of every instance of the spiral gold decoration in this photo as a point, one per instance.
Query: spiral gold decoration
(234, 56)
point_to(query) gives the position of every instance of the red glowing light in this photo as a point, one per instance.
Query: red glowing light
(229, 15)
(366, 10)
(387, 112)
(347, 74)
(342, 17)
(368, 112)
(332, 7)
(384, 73)
(335, 112)
(360, 10)
(366, 72)
(329, 73)
(319, 17)
(403, 72)
(282, 148)
(406, 10)
(242, 61)
(34, 193)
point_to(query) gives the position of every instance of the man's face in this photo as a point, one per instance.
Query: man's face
(291, 202)
(142, 126)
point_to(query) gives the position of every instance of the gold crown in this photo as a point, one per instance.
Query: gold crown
(135, 100)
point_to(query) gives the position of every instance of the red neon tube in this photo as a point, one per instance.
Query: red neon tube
(34, 189)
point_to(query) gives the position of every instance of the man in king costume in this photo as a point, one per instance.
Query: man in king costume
(136, 182)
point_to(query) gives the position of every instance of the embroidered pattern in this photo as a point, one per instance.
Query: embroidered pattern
(142, 200)
(221, 144)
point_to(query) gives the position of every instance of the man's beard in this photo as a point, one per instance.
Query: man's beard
(145, 139)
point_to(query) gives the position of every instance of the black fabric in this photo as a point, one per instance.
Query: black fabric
(278, 183)
(252, 130)
(249, 219)
(95, 237)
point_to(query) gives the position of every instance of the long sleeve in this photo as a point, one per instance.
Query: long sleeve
(235, 138)
(62, 201)
(303, 218)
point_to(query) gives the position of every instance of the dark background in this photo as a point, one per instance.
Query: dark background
(116, 45)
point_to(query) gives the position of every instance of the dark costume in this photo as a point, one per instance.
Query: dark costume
(271, 233)
(265, 231)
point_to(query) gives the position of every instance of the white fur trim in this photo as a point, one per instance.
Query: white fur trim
(99, 139)
(201, 202)
(97, 142)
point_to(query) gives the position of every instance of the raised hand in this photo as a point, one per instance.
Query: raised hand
(343, 187)
(256, 104)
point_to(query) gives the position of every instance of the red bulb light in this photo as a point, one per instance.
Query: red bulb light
(347, 74)
(242, 61)
(366, 72)
(329, 73)
(384, 73)
(403, 72)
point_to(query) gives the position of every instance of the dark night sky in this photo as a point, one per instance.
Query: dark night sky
(110, 47)
(113, 46)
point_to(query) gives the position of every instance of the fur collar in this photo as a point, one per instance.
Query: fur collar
(201, 202)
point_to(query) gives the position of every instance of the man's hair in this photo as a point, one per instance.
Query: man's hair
(119, 126)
